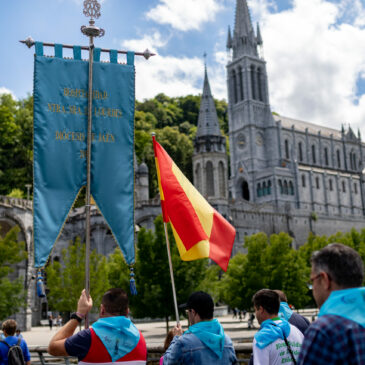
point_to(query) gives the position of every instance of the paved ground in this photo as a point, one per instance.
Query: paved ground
(155, 332)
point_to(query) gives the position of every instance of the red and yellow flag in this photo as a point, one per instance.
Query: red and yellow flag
(199, 230)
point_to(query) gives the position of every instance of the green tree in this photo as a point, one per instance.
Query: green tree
(12, 295)
(66, 278)
(16, 130)
(154, 297)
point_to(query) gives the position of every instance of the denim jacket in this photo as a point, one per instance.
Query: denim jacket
(188, 349)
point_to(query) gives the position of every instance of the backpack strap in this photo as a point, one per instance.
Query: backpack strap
(5, 343)
(19, 341)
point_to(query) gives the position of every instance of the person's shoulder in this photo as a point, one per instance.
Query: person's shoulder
(298, 317)
(227, 340)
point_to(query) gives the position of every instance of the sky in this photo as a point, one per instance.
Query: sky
(314, 49)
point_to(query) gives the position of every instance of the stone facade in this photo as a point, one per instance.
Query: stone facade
(285, 174)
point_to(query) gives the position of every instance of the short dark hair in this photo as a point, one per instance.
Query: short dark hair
(267, 299)
(342, 263)
(9, 327)
(202, 303)
(282, 295)
(115, 301)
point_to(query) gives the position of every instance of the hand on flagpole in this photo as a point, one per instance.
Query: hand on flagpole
(177, 331)
(84, 304)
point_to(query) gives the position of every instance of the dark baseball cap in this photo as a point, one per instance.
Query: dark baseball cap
(202, 303)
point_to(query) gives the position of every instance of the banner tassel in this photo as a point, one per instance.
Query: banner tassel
(132, 282)
(40, 285)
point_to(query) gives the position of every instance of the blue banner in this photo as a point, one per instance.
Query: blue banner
(60, 139)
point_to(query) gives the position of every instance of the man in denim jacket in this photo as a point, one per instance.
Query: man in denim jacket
(205, 341)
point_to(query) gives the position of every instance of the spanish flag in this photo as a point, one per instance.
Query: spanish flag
(199, 230)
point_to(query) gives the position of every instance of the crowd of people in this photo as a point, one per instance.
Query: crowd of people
(284, 336)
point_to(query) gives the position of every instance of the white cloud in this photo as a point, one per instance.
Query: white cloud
(4, 90)
(314, 59)
(184, 14)
(169, 75)
(152, 42)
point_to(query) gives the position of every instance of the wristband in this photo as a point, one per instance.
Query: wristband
(75, 316)
(81, 315)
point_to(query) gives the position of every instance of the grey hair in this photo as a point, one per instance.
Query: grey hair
(342, 263)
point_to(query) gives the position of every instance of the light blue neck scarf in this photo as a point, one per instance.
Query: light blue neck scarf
(285, 312)
(270, 331)
(118, 334)
(347, 303)
(211, 333)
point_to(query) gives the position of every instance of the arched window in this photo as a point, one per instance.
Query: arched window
(351, 161)
(269, 187)
(245, 190)
(259, 86)
(259, 190)
(355, 188)
(326, 156)
(234, 86)
(240, 82)
(253, 82)
(313, 153)
(209, 178)
(286, 148)
(286, 191)
(291, 188)
(343, 187)
(338, 159)
(303, 181)
(317, 182)
(330, 184)
(222, 180)
(281, 187)
(300, 151)
(264, 191)
(198, 175)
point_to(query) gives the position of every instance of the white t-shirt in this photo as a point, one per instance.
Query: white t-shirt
(277, 352)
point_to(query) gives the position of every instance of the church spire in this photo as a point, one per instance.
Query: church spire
(244, 40)
(208, 124)
(258, 36)
(229, 39)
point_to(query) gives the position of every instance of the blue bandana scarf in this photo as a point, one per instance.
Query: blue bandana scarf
(211, 333)
(270, 331)
(347, 303)
(285, 312)
(118, 334)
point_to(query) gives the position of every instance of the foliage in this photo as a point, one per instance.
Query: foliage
(154, 297)
(16, 145)
(16, 193)
(12, 295)
(270, 262)
(66, 278)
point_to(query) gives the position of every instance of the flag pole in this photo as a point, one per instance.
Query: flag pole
(166, 236)
(171, 273)
(92, 10)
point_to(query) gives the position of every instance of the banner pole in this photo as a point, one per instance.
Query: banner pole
(171, 273)
(92, 10)
(88, 173)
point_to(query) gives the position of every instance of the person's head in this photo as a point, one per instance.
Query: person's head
(114, 303)
(282, 296)
(9, 327)
(200, 307)
(266, 303)
(335, 267)
(17, 331)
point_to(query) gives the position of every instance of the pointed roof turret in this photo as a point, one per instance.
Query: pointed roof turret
(244, 40)
(242, 24)
(258, 36)
(208, 124)
(229, 38)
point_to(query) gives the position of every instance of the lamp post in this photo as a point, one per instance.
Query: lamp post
(28, 186)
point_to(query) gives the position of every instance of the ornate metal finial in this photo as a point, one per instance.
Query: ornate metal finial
(92, 10)
(29, 42)
(147, 54)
